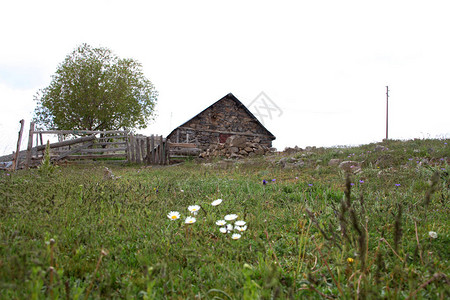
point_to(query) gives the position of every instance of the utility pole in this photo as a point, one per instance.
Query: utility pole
(387, 111)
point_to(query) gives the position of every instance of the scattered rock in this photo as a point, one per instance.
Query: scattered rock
(380, 148)
(334, 162)
(350, 166)
(108, 174)
(289, 150)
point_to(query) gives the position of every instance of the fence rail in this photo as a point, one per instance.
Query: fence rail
(82, 145)
(89, 145)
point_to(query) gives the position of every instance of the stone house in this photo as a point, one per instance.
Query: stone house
(225, 118)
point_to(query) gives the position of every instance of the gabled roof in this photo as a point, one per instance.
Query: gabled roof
(239, 104)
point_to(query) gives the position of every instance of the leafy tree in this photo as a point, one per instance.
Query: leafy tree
(93, 89)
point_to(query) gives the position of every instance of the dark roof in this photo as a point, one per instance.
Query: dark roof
(239, 104)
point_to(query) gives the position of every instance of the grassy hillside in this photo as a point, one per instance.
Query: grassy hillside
(312, 231)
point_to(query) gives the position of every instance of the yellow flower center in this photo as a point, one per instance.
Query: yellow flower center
(174, 217)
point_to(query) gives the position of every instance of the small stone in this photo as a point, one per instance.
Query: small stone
(350, 166)
(334, 162)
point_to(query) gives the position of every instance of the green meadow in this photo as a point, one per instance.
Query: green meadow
(312, 231)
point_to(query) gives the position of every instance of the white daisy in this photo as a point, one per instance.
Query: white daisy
(241, 228)
(236, 236)
(194, 209)
(231, 217)
(229, 227)
(432, 234)
(223, 229)
(221, 222)
(190, 220)
(216, 202)
(173, 215)
(239, 223)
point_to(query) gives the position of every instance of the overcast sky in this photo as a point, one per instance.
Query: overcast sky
(323, 65)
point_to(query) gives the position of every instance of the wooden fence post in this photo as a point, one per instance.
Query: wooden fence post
(142, 145)
(149, 154)
(15, 163)
(161, 150)
(152, 147)
(30, 145)
(131, 143)
(138, 151)
(167, 147)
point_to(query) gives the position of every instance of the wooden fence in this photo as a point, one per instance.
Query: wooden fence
(150, 150)
(90, 145)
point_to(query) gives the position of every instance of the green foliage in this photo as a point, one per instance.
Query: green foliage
(93, 89)
(387, 251)
(46, 167)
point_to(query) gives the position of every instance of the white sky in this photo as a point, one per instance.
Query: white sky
(325, 64)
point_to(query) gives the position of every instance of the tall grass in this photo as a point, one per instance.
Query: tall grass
(313, 232)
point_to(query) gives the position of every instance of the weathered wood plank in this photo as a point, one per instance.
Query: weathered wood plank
(182, 145)
(142, 145)
(149, 154)
(93, 156)
(78, 132)
(138, 150)
(152, 146)
(100, 150)
(110, 143)
(162, 155)
(133, 152)
(15, 163)
(75, 150)
(66, 143)
(185, 151)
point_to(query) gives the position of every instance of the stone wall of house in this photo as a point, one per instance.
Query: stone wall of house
(217, 123)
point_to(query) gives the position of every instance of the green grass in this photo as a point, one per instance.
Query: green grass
(303, 228)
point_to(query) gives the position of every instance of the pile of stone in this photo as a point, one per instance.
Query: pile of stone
(236, 147)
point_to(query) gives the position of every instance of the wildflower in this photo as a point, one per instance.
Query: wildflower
(173, 215)
(273, 180)
(230, 217)
(223, 229)
(229, 227)
(264, 182)
(432, 234)
(239, 223)
(296, 178)
(350, 260)
(216, 202)
(310, 184)
(194, 209)
(361, 181)
(190, 220)
(221, 222)
(397, 184)
(236, 236)
(352, 184)
(241, 228)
